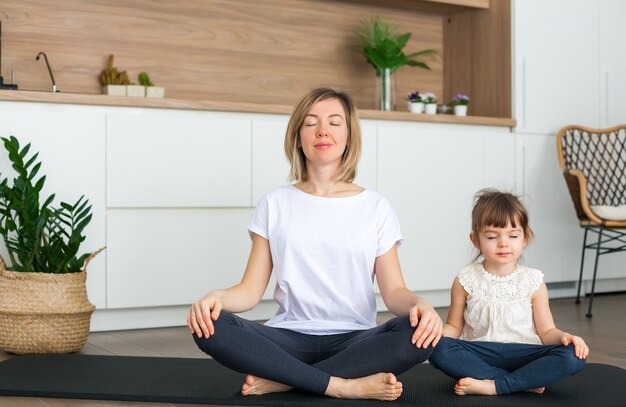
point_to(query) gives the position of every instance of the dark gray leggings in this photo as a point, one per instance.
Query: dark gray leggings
(307, 362)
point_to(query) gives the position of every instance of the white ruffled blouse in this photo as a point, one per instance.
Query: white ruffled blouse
(499, 309)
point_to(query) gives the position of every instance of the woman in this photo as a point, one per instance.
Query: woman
(325, 239)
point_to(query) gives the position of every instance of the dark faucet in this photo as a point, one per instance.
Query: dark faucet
(54, 85)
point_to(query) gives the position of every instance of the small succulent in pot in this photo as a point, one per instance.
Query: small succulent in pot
(111, 76)
(429, 98)
(460, 100)
(144, 79)
(415, 97)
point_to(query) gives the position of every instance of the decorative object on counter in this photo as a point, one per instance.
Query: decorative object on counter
(113, 82)
(44, 306)
(416, 102)
(151, 90)
(45, 57)
(12, 85)
(430, 103)
(134, 90)
(382, 48)
(459, 103)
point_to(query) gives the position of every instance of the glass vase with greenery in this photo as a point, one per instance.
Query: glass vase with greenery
(382, 47)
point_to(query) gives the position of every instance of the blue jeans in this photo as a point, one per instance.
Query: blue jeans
(307, 362)
(513, 366)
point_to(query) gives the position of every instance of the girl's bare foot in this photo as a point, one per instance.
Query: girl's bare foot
(255, 386)
(468, 385)
(379, 386)
(538, 390)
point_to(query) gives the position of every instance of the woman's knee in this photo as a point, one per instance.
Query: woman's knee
(224, 321)
(399, 324)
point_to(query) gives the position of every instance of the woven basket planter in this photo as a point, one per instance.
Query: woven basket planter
(43, 312)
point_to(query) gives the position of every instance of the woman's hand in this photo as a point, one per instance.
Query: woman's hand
(428, 323)
(580, 347)
(203, 312)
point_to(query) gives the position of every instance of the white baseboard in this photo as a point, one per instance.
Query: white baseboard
(159, 317)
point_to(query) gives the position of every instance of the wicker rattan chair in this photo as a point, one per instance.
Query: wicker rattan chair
(594, 167)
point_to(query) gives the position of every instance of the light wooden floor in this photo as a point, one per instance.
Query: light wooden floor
(605, 333)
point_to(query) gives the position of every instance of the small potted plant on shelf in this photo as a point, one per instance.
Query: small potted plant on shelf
(430, 103)
(459, 103)
(43, 303)
(416, 102)
(151, 90)
(382, 47)
(113, 82)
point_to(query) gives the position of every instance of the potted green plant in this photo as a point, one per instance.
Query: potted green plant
(382, 47)
(151, 90)
(430, 103)
(459, 103)
(43, 306)
(113, 82)
(416, 102)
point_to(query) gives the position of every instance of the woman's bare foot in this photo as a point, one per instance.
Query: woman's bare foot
(379, 386)
(468, 385)
(255, 386)
(538, 390)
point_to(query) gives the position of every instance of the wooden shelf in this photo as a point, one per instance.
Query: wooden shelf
(444, 7)
(210, 105)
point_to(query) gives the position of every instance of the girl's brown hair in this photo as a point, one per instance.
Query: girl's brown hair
(293, 149)
(497, 209)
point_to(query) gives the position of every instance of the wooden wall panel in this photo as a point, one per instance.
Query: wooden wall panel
(477, 58)
(227, 50)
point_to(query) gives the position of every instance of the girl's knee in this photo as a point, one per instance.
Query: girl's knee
(572, 363)
(442, 353)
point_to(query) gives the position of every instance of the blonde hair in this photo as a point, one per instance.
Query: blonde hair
(498, 209)
(293, 150)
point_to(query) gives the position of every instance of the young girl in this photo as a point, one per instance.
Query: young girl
(499, 311)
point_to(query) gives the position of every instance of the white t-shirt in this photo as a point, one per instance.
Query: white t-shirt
(499, 309)
(323, 251)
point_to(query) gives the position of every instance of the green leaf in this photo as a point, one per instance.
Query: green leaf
(383, 48)
(40, 183)
(38, 237)
(34, 171)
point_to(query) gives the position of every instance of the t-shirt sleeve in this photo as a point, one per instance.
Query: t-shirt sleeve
(388, 228)
(259, 219)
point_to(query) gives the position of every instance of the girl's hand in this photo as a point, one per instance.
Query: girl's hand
(203, 312)
(428, 323)
(580, 347)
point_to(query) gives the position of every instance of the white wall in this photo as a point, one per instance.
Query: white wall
(569, 63)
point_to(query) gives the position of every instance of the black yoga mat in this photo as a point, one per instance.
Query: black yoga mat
(178, 380)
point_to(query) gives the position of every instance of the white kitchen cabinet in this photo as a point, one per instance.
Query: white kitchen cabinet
(166, 158)
(367, 172)
(70, 142)
(165, 257)
(556, 64)
(612, 63)
(270, 167)
(558, 239)
(430, 176)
